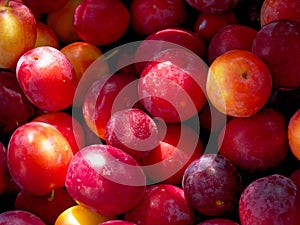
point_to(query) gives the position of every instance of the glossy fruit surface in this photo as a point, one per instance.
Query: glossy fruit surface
(45, 36)
(278, 45)
(103, 98)
(239, 83)
(258, 142)
(150, 16)
(212, 185)
(80, 215)
(161, 204)
(69, 126)
(15, 42)
(36, 149)
(207, 24)
(39, 67)
(272, 10)
(293, 134)
(19, 217)
(181, 77)
(150, 112)
(105, 179)
(133, 131)
(236, 36)
(177, 149)
(93, 20)
(61, 21)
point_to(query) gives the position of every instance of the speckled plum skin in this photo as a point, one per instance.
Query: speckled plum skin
(162, 204)
(133, 131)
(272, 10)
(255, 143)
(19, 217)
(212, 185)
(268, 200)
(41, 66)
(172, 85)
(100, 178)
(278, 45)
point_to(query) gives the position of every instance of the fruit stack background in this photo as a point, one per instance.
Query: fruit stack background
(142, 112)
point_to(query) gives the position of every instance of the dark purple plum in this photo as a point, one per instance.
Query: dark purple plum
(212, 185)
(15, 108)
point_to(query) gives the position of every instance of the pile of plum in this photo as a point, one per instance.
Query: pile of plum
(142, 112)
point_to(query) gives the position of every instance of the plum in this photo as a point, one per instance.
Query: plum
(212, 185)
(278, 45)
(268, 200)
(19, 217)
(17, 109)
(133, 131)
(255, 143)
(162, 204)
(105, 179)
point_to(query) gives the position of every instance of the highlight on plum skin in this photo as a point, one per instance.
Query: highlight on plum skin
(36, 149)
(41, 66)
(105, 179)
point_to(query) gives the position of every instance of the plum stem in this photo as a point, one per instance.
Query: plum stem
(6, 3)
(51, 196)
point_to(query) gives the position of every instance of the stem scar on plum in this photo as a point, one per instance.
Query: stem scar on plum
(245, 75)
